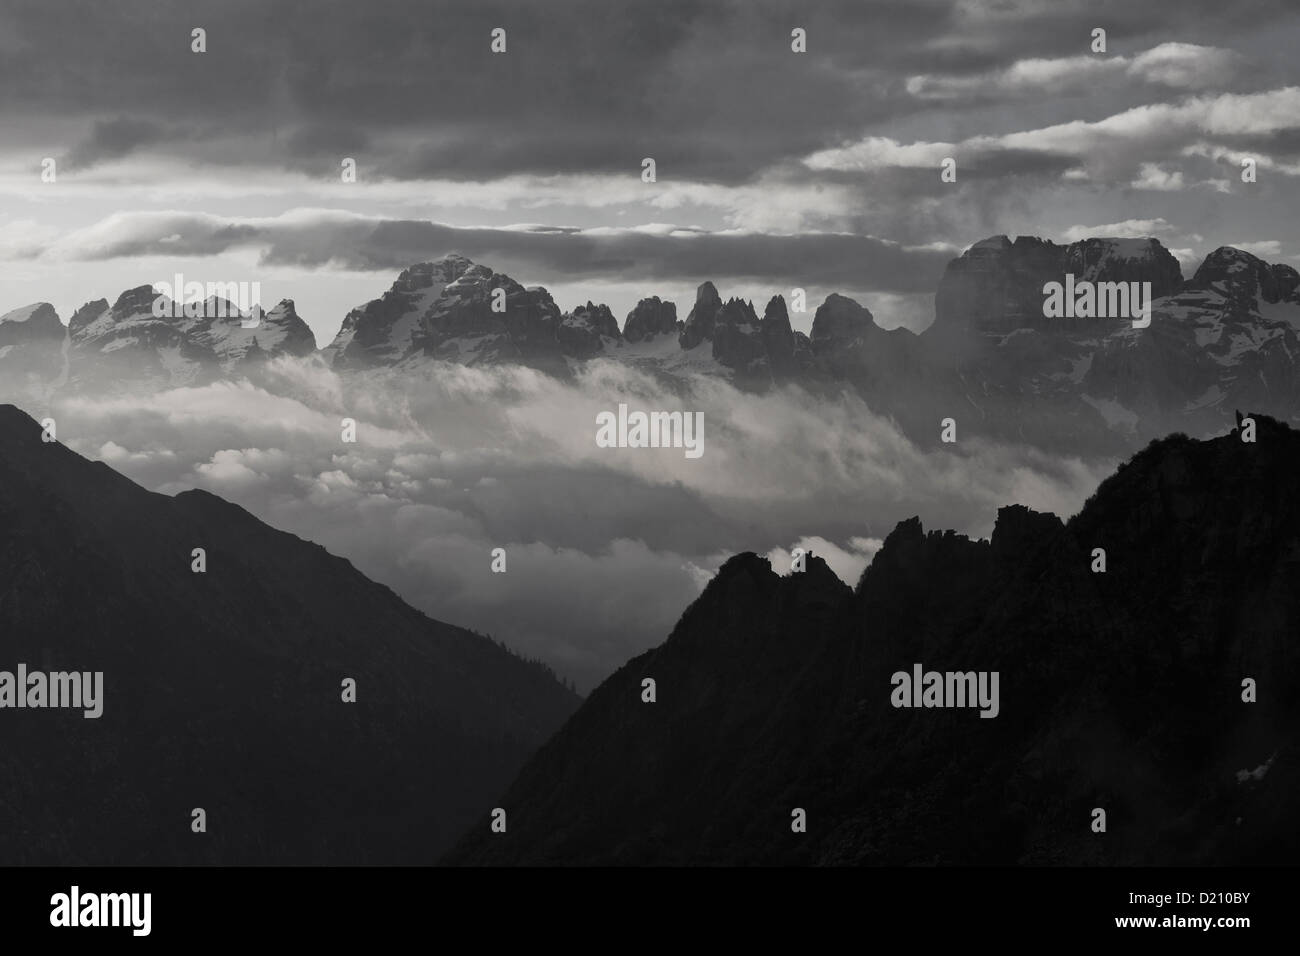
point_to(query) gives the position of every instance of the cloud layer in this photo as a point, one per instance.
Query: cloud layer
(605, 547)
(816, 168)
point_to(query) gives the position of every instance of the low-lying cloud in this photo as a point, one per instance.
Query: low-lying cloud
(605, 547)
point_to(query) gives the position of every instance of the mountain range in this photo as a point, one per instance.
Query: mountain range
(1123, 688)
(1224, 338)
(224, 688)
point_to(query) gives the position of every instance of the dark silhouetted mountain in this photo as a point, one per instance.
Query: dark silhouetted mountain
(1119, 690)
(223, 689)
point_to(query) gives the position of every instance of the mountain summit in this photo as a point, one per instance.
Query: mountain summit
(224, 688)
(996, 286)
(1228, 337)
(1121, 689)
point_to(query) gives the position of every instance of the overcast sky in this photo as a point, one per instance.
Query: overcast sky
(775, 169)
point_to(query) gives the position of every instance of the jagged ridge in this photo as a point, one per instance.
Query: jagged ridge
(1118, 689)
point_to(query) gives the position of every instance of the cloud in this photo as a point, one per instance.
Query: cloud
(848, 562)
(1184, 66)
(749, 137)
(1267, 248)
(232, 469)
(1128, 229)
(115, 138)
(308, 239)
(605, 547)
(1152, 176)
(576, 90)
(1122, 141)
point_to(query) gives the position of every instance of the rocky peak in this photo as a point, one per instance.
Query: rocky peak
(584, 332)
(911, 559)
(1236, 272)
(650, 317)
(1126, 667)
(442, 272)
(776, 316)
(841, 323)
(31, 346)
(699, 324)
(279, 331)
(1124, 260)
(86, 314)
(996, 286)
(816, 585)
(737, 338)
(461, 324)
(994, 246)
(597, 315)
(137, 301)
(1020, 530)
(778, 338)
(32, 323)
(383, 331)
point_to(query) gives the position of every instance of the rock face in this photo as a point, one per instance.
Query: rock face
(650, 317)
(450, 310)
(1120, 690)
(588, 331)
(1020, 530)
(778, 338)
(886, 367)
(34, 323)
(699, 324)
(126, 346)
(31, 345)
(1230, 338)
(462, 326)
(234, 679)
(126, 343)
(381, 332)
(1245, 281)
(996, 286)
(840, 324)
(221, 329)
(738, 340)
(1225, 338)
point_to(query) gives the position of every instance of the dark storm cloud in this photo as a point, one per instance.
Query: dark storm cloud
(310, 240)
(332, 141)
(1284, 143)
(110, 139)
(710, 89)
